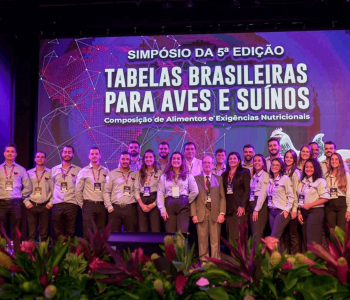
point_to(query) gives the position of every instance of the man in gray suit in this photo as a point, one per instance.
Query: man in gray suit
(208, 210)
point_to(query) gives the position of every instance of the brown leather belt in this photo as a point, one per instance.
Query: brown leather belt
(39, 204)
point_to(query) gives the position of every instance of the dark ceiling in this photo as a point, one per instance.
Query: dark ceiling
(62, 18)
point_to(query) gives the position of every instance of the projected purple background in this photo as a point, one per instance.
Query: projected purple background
(88, 87)
(5, 94)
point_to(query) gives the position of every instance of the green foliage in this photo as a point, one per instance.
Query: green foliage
(93, 270)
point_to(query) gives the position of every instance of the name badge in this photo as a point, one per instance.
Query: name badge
(334, 192)
(229, 189)
(208, 197)
(97, 187)
(127, 190)
(37, 191)
(8, 185)
(252, 196)
(147, 191)
(175, 191)
(301, 200)
(269, 200)
(64, 187)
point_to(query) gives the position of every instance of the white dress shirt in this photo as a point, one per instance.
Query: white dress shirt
(42, 180)
(113, 192)
(258, 188)
(70, 177)
(281, 191)
(21, 183)
(313, 191)
(332, 183)
(195, 166)
(84, 187)
(187, 187)
(296, 178)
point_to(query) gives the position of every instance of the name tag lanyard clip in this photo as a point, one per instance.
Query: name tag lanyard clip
(127, 188)
(336, 180)
(37, 178)
(65, 175)
(98, 176)
(271, 186)
(147, 185)
(7, 177)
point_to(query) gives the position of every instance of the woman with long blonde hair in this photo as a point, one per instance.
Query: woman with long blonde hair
(337, 209)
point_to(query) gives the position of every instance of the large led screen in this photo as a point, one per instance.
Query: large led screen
(216, 90)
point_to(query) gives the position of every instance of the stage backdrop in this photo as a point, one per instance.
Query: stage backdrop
(216, 90)
(6, 131)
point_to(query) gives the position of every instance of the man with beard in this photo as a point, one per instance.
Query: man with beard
(119, 195)
(194, 165)
(89, 187)
(315, 150)
(329, 149)
(40, 200)
(136, 160)
(15, 185)
(163, 152)
(65, 206)
(220, 157)
(274, 150)
(248, 154)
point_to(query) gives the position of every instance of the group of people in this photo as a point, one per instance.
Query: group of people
(288, 194)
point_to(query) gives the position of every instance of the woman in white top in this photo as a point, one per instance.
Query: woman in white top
(258, 213)
(312, 194)
(337, 209)
(280, 198)
(177, 188)
(292, 237)
(147, 177)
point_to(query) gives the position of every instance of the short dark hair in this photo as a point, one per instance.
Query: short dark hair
(318, 170)
(95, 148)
(68, 146)
(11, 145)
(124, 153)
(134, 142)
(163, 143)
(190, 143)
(282, 171)
(43, 152)
(248, 146)
(314, 143)
(273, 139)
(330, 143)
(220, 150)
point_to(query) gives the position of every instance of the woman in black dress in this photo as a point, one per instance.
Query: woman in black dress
(237, 189)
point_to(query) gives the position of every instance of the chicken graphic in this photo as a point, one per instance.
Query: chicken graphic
(286, 144)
